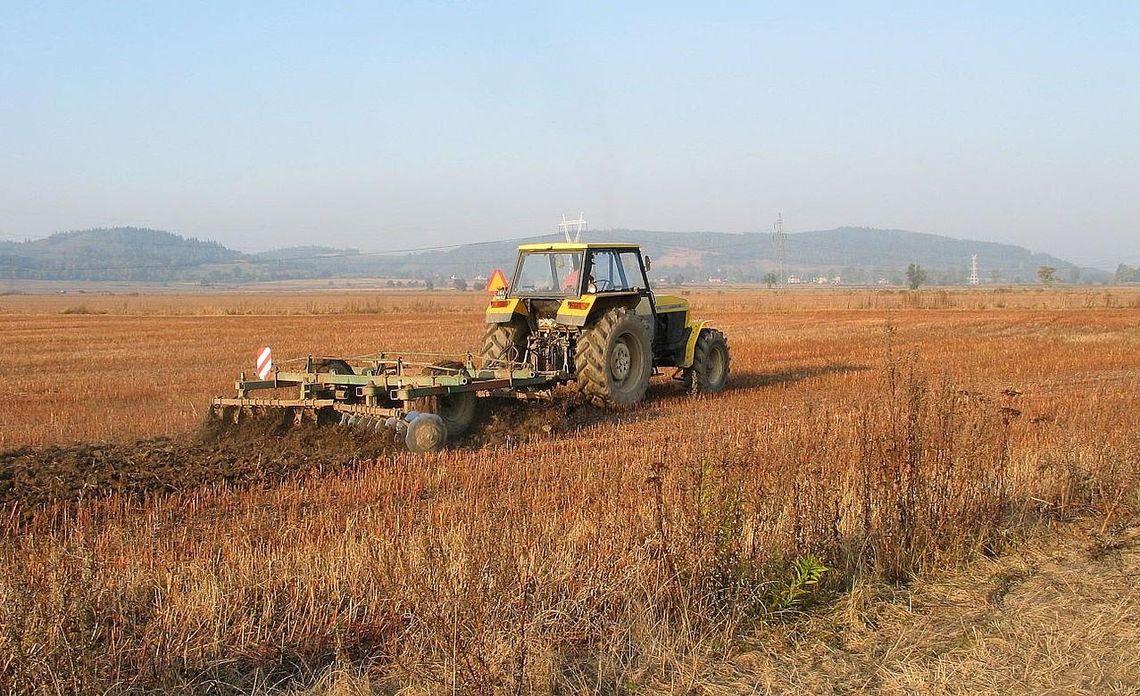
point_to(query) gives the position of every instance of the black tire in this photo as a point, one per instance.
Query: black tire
(333, 367)
(457, 410)
(614, 358)
(503, 343)
(709, 372)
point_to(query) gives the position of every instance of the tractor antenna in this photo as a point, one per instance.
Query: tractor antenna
(573, 229)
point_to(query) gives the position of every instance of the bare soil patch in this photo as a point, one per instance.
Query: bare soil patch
(255, 452)
(260, 452)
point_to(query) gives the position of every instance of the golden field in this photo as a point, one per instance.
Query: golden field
(871, 444)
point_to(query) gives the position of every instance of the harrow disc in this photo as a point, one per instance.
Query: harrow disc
(425, 433)
(457, 410)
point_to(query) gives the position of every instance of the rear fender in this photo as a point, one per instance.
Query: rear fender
(575, 310)
(571, 313)
(502, 311)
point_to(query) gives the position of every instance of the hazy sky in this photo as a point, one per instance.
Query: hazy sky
(397, 125)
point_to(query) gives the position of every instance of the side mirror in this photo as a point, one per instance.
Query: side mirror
(648, 263)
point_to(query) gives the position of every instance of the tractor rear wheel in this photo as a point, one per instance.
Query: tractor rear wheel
(709, 372)
(613, 359)
(503, 344)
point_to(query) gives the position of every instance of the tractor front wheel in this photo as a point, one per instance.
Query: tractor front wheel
(709, 372)
(613, 359)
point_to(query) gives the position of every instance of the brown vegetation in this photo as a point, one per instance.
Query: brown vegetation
(867, 439)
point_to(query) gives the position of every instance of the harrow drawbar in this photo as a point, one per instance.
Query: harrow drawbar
(423, 403)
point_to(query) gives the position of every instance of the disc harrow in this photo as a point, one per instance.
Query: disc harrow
(417, 398)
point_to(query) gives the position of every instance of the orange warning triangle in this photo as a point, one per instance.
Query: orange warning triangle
(497, 281)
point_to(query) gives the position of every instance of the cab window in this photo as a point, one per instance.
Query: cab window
(548, 273)
(632, 266)
(606, 272)
(612, 271)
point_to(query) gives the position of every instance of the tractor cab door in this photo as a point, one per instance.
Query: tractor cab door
(617, 271)
(621, 272)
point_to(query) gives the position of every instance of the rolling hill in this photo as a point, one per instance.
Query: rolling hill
(118, 253)
(856, 254)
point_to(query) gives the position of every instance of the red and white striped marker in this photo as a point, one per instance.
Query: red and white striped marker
(264, 363)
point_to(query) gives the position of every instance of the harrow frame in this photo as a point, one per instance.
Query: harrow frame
(383, 389)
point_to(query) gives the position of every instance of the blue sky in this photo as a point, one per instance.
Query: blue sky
(396, 125)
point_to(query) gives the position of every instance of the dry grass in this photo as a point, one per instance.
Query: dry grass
(641, 553)
(1058, 614)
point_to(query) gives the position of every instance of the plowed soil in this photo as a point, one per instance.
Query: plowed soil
(255, 452)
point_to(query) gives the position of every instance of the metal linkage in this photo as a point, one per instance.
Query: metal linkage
(377, 387)
(384, 390)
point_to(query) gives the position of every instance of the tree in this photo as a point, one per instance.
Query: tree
(771, 278)
(429, 284)
(459, 284)
(1127, 274)
(1047, 274)
(915, 276)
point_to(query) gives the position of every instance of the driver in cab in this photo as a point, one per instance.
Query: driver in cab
(571, 282)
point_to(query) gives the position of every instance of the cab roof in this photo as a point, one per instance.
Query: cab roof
(576, 246)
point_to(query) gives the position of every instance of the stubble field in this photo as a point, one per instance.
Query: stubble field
(869, 441)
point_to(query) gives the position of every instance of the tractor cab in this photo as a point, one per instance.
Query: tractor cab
(564, 284)
(573, 270)
(567, 301)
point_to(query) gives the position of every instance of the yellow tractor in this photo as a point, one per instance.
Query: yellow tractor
(573, 312)
(586, 312)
